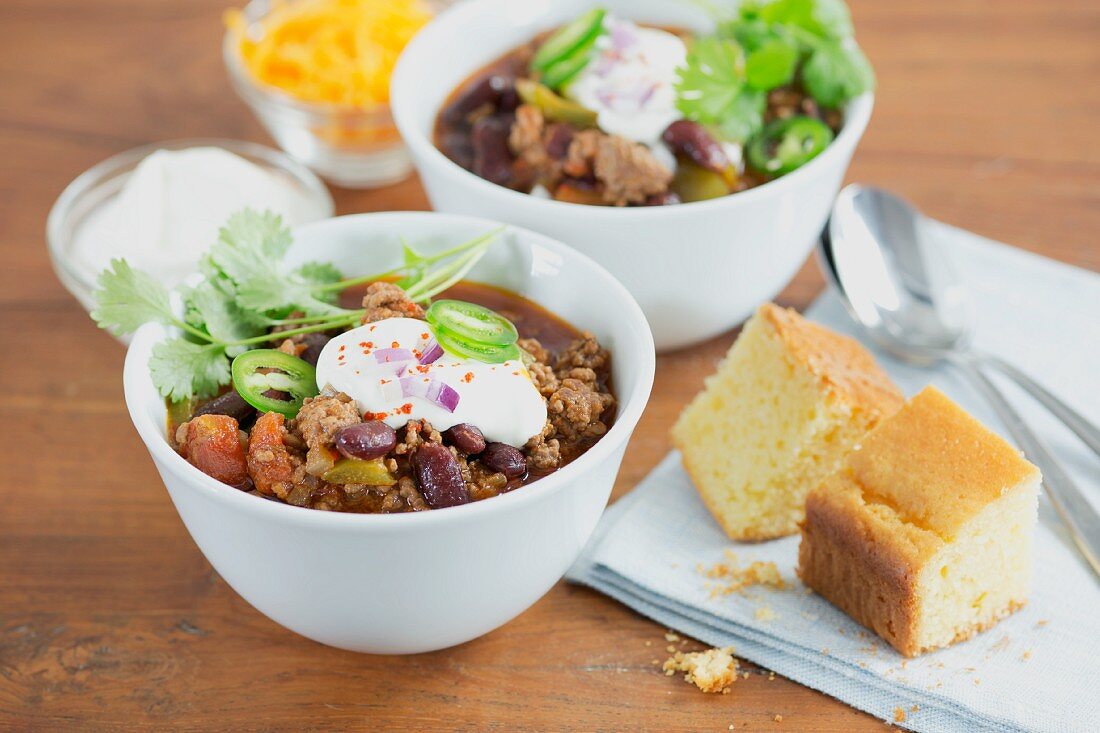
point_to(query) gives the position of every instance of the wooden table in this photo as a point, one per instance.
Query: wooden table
(110, 618)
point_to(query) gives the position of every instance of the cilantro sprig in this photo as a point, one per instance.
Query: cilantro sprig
(248, 290)
(765, 44)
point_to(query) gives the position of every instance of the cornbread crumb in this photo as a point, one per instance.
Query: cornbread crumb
(733, 578)
(899, 715)
(670, 636)
(1026, 656)
(778, 718)
(915, 708)
(771, 676)
(713, 670)
(1041, 624)
(765, 613)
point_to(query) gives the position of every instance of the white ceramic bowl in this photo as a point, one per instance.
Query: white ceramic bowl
(409, 583)
(696, 269)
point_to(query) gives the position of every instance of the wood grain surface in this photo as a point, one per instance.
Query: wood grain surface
(110, 618)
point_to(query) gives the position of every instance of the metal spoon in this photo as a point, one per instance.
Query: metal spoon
(888, 275)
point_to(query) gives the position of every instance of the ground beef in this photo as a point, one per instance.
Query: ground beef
(482, 482)
(318, 422)
(628, 171)
(575, 410)
(323, 416)
(577, 398)
(544, 450)
(288, 346)
(541, 147)
(386, 300)
(413, 435)
(584, 352)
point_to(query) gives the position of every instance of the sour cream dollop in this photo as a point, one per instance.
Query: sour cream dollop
(499, 399)
(630, 81)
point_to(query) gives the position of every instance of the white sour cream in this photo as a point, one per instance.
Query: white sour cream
(499, 399)
(630, 82)
(171, 206)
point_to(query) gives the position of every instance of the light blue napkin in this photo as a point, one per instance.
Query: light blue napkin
(1038, 670)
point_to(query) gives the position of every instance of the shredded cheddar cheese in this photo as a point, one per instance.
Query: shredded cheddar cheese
(330, 51)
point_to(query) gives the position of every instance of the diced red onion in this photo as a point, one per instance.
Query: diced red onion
(399, 358)
(623, 35)
(431, 352)
(434, 391)
(385, 356)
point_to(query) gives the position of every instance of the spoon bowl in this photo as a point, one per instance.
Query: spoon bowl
(894, 282)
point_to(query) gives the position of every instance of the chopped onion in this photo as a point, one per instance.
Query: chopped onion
(431, 352)
(433, 390)
(399, 358)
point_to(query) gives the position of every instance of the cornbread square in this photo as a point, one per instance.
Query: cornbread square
(785, 406)
(925, 535)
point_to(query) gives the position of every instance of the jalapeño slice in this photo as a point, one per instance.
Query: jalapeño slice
(472, 323)
(459, 346)
(784, 145)
(568, 39)
(272, 381)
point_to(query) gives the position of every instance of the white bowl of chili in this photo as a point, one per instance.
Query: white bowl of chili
(696, 269)
(406, 583)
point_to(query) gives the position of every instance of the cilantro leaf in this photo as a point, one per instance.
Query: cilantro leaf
(126, 298)
(283, 294)
(751, 34)
(181, 369)
(319, 273)
(711, 80)
(249, 243)
(822, 18)
(210, 308)
(746, 115)
(836, 72)
(771, 65)
(712, 89)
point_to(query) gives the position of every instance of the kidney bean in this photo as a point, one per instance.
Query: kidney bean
(559, 136)
(507, 96)
(231, 404)
(495, 91)
(492, 156)
(314, 342)
(465, 438)
(366, 440)
(457, 145)
(439, 477)
(692, 140)
(504, 459)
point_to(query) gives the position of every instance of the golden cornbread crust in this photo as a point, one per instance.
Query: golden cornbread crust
(877, 530)
(936, 465)
(844, 367)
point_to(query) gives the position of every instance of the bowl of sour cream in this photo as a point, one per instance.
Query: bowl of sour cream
(160, 207)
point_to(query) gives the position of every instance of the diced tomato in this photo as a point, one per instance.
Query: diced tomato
(213, 445)
(269, 462)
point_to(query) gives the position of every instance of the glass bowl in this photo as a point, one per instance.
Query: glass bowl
(351, 147)
(97, 185)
